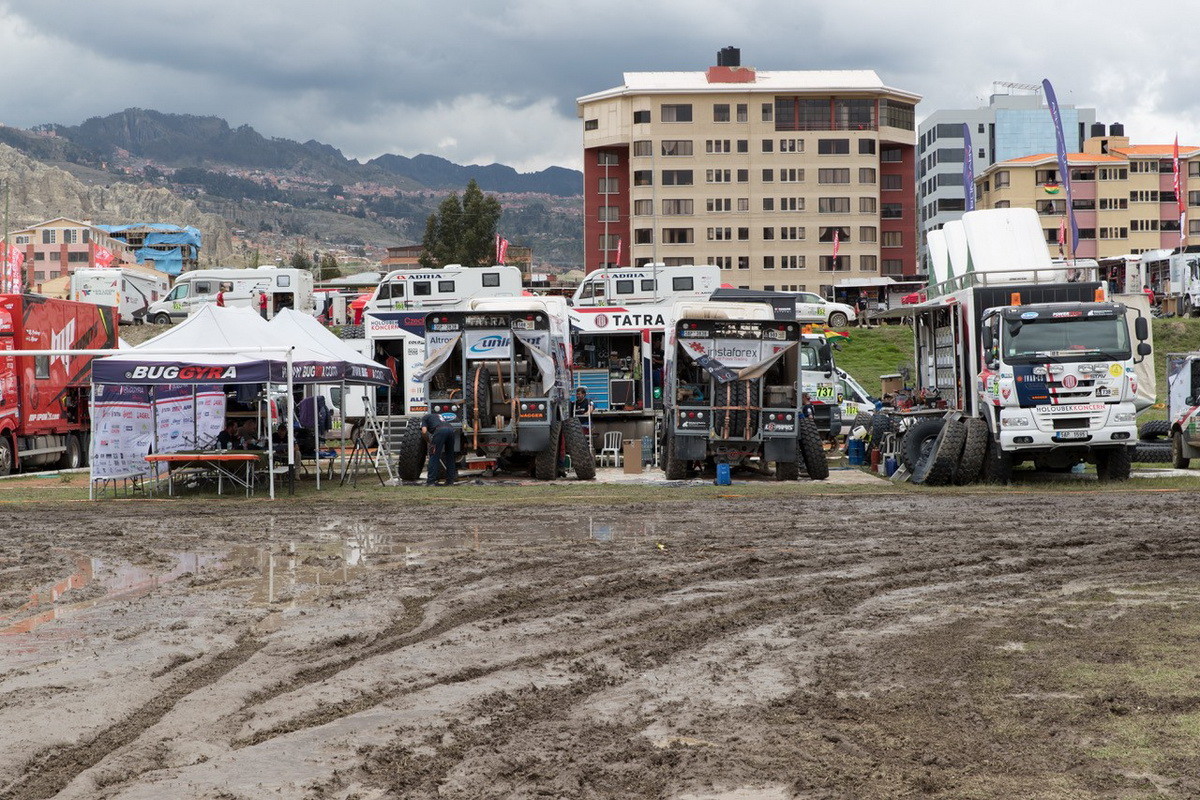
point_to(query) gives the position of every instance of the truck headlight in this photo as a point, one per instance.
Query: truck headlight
(1124, 416)
(1015, 422)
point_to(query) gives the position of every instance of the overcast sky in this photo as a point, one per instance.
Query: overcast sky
(481, 82)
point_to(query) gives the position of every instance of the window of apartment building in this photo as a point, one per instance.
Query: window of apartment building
(868, 264)
(793, 175)
(1114, 204)
(1090, 233)
(719, 204)
(743, 262)
(677, 177)
(643, 236)
(721, 112)
(792, 233)
(70, 236)
(768, 145)
(768, 204)
(791, 262)
(643, 148)
(643, 208)
(768, 262)
(39, 255)
(1001, 179)
(677, 112)
(717, 145)
(891, 155)
(718, 175)
(892, 266)
(77, 258)
(1143, 224)
(1143, 166)
(951, 204)
(743, 234)
(1193, 168)
(866, 174)
(867, 233)
(1083, 173)
(743, 112)
(867, 205)
(768, 175)
(1003, 204)
(895, 114)
(743, 145)
(866, 147)
(640, 117)
(767, 112)
(608, 241)
(677, 236)
(831, 264)
(1193, 227)
(833, 147)
(1042, 176)
(893, 182)
(21, 240)
(791, 204)
(49, 236)
(833, 205)
(1143, 196)
(743, 175)
(893, 239)
(891, 211)
(838, 175)
(609, 214)
(1085, 205)
(1192, 197)
(743, 204)
(607, 185)
(1166, 196)
(791, 145)
(675, 208)
(825, 234)
(723, 262)
(606, 158)
(768, 234)
(591, 124)
(1113, 174)
(720, 234)
(855, 115)
(1114, 233)
(676, 147)
(1051, 235)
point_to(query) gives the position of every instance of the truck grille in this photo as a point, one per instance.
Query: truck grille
(1070, 423)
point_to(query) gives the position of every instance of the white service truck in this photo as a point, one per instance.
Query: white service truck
(284, 287)
(1025, 364)
(1183, 407)
(131, 290)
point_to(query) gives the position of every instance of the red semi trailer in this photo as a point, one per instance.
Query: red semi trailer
(44, 400)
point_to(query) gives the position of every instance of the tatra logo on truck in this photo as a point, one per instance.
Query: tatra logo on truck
(183, 373)
(601, 320)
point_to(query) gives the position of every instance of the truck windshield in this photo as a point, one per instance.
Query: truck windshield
(1066, 340)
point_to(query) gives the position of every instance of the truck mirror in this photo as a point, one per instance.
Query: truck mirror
(1190, 400)
(1143, 349)
(825, 352)
(1014, 327)
(1141, 329)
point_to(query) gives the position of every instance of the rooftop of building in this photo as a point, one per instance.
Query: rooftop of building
(747, 79)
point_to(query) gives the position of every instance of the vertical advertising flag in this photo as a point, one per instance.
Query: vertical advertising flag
(968, 170)
(620, 247)
(837, 243)
(11, 279)
(1180, 200)
(1063, 168)
(501, 249)
(104, 256)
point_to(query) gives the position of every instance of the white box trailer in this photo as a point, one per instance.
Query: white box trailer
(284, 287)
(131, 290)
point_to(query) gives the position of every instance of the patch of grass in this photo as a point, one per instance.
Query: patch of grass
(871, 352)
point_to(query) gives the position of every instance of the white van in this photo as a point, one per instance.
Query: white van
(652, 283)
(450, 286)
(132, 290)
(284, 287)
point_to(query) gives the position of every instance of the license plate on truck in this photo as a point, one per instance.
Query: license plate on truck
(1071, 435)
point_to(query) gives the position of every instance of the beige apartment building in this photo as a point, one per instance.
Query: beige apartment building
(757, 172)
(1123, 195)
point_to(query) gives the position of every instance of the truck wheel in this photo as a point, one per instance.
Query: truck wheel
(583, 459)
(72, 457)
(838, 320)
(545, 462)
(975, 445)
(411, 458)
(676, 469)
(733, 396)
(1154, 430)
(479, 397)
(862, 420)
(1178, 459)
(947, 452)
(162, 319)
(881, 425)
(1152, 452)
(809, 444)
(1114, 464)
(6, 455)
(787, 470)
(998, 465)
(917, 442)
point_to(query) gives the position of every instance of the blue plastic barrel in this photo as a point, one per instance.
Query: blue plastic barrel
(856, 452)
(890, 466)
(723, 478)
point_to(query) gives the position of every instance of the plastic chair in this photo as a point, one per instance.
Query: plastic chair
(611, 450)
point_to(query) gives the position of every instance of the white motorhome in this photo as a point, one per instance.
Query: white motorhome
(448, 287)
(284, 287)
(652, 283)
(132, 290)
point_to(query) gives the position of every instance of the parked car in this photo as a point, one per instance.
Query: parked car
(814, 308)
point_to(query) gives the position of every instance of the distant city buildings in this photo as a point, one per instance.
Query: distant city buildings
(786, 180)
(1015, 123)
(1123, 195)
(57, 247)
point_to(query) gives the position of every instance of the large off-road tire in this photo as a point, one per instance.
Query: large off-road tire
(675, 469)
(1155, 430)
(478, 391)
(734, 396)
(881, 425)
(1114, 464)
(72, 457)
(6, 454)
(975, 446)
(997, 465)
(1153, 452)
(1178, 459)
(808, 440)
(545, 461)
(411, 458)
(862, 420)
(838, 320)
(917, 442)
(787, 470)
(948, 448)
(583, 458)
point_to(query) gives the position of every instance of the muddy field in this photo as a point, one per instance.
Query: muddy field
(1008, 644)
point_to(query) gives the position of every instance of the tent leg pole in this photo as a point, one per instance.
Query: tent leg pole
(91, 444)
(270, 439)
